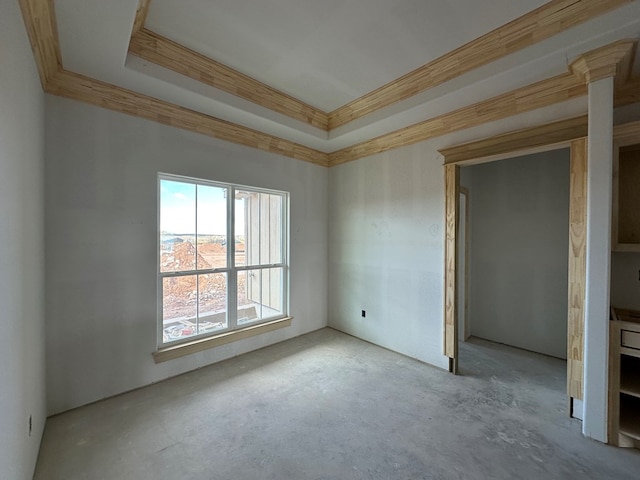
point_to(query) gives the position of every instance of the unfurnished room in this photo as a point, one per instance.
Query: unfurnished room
(351, 239)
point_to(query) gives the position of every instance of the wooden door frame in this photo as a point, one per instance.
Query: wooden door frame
(515, 144)
(465, 334)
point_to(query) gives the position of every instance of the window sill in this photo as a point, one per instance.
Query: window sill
(177, 351)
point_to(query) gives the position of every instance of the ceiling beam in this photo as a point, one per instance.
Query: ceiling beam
(525, 31)
(164, 52)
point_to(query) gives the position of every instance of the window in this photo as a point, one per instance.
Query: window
(222, 259)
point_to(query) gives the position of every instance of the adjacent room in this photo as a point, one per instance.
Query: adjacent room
(295, 239)
(517, 250)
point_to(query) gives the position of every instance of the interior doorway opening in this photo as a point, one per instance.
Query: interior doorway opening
(512, 272)
(513, 232)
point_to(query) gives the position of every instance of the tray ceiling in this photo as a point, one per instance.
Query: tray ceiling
(326, 54)
(331, 52)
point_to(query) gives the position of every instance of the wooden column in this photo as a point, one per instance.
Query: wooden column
(577, 268)
(598, 69)
(452, 200)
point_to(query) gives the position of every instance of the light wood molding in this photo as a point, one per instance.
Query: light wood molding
(627, 133)
(164, 52)
(548, 134)
(625, 221)
(40, 22)
(603, 62)
(627, 94)
(141, 15)
(452, 201)
(541, 94)
(78, 87)
(177, 351)
(535, 26)
(577, 268)
(41, 26)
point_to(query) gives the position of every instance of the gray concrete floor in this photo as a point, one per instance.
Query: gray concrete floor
(329, 406)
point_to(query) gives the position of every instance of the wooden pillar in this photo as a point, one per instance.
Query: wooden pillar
(577, 272)
(598, 69)
(452, 200)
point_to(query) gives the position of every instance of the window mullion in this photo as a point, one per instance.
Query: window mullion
(232, 276)
(195, 239)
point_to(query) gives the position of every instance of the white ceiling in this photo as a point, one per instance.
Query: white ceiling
(323, 52)
(328, 53)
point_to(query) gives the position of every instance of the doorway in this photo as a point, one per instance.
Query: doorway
(512, 278)
(577, 235)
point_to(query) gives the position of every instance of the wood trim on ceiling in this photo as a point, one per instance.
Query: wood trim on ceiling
(533, 27)
(141, 15)
(38, 16)
(39, 19)
(157, 49)
(525, 31)
(537, 95)
(79, 87)
(549, 134)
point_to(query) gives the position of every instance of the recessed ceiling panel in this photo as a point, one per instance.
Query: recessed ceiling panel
(330, 52)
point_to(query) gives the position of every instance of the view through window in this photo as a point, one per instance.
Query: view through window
(222, 257)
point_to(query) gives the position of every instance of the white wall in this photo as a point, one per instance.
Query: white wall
(101, 227)
(386, 251)
(22, 384)
(625, 280)
(519, 252)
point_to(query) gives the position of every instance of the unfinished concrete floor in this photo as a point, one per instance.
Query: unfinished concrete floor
(329, 406)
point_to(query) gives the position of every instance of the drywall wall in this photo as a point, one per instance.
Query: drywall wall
(625, 280)
(22, 384)
(101, 245)
(519, 216)
(387, 251)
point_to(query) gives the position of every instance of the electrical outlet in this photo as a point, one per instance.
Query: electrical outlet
(364, 314)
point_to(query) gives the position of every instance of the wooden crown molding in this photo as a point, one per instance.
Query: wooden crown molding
(39, 18)
(141, 15)
(529, 29)
(40, 22)
(603, 62)
(79, 87)
(541, 94)
(157, 49)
